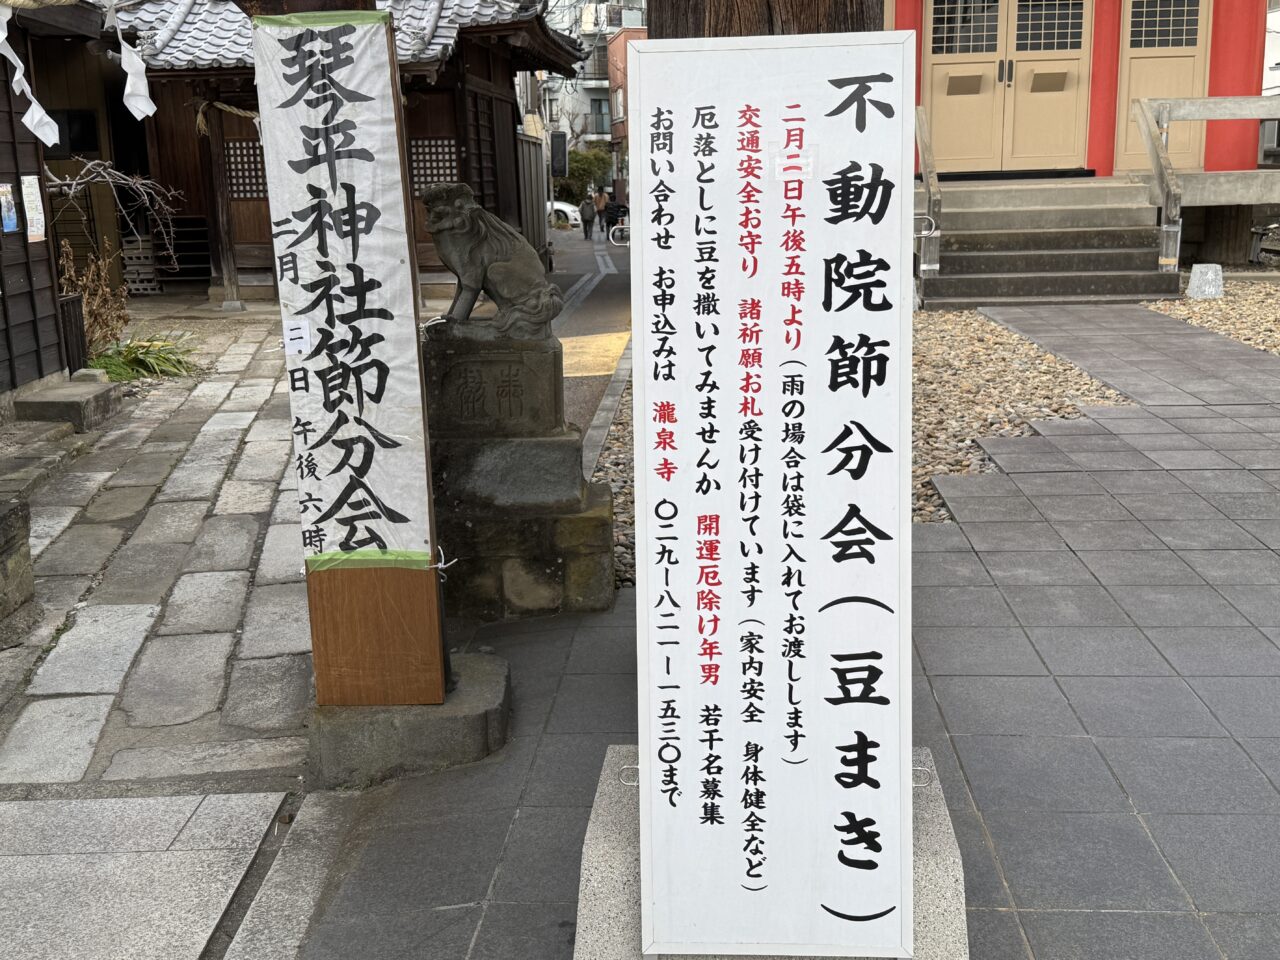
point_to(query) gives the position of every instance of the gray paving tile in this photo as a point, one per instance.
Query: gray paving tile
(1141, 481)
(104, 906)
(95, 654)
(1005, 705)
(140, 573)
(542, 930)
(1033, 462)
(1098, 651)
(1082, 861)
(1059, 428)
(52, 741)
(960, 607)
(1238, 441)
(1225, 862)
(1247, 506)
(1080, 606)
(1169, 506)
(1109, 460)
(1235, 566)
(566, 769)
(1071, 935)
(1191, 459)
(975, 485)
(82, 549)
(1261, 604)
(1208, 425)
(953, 569)
(1223, 481)
(1057, 484)
(542, 856)
(938, 538)
(177, 679)
(1147, 425)
(1247, 706)
(977, 651)
(1217, 651)
(1166, 441)
(983, 883)
(603, 656)
(269, 695)
(1107, 535)
(1245, 936)
(276, 621)
(1138, 567)
(1266, 532)
(967, 509)
(1202, 535)
(177, 522)
(1045, 567)
(205, 603)
(1177, 606)
(1189, 775)
(1074, 507)
(928, 730)
(1139, 707)
(594, 703)
(1256, 459)
(111, 825)
(1013, 536)
(1039, 773)
(1125, 411)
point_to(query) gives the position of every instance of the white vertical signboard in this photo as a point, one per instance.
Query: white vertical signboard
(346, 287)
(771, 311)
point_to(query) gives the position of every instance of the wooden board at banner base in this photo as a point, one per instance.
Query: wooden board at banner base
(375, 638)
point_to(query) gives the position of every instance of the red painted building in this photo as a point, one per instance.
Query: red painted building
(1045, 85)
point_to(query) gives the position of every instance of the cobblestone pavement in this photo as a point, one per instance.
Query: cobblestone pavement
(1097, 647)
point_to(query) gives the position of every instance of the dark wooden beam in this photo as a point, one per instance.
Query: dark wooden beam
(266, 8)
(750, 18)
(222, 212)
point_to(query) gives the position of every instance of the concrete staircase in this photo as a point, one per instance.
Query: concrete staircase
(1040, 241)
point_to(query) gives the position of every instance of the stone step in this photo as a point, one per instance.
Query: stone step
(1063, 238)
(1035, 218)
(1012, 196)
(1049, 261)
(974, 303)
(1000, 286)
(83, 405)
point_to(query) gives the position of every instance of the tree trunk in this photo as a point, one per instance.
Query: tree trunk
(747, 18)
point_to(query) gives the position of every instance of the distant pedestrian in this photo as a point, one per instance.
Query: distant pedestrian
(601, 199)
(587, 210)
(612, 213)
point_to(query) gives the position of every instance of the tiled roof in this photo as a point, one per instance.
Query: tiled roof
(198, 34)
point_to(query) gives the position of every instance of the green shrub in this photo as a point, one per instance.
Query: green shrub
(157, 357)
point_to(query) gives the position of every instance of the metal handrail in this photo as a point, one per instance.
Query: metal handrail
(1153, 116)
(930, 240)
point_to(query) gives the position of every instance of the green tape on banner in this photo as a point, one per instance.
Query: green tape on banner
(323, 19)
(365, 559)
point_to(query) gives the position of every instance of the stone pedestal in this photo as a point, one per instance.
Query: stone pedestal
(529, 535)
(609, 891)
(16, 583)
(360, 746)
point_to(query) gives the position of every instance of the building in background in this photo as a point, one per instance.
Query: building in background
(617, 50)
(582, 106)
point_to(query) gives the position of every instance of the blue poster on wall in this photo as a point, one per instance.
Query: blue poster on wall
(8, 209)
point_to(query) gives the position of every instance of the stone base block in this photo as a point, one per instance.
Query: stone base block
(520, 563)
(83, 405)
(359, 746)
(609, 891)
(16, 583)
(542, 473)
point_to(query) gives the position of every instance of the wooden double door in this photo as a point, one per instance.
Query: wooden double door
(1006, 83)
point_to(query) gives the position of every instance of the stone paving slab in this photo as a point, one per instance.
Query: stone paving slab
(138, 878)
(205, 603)
(205, 759)
(82, 549)
(269, 696)
(95, 654)
(178, 679)
(281, 560)
(53, 740)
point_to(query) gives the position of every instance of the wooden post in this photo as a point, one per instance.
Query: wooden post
(669, 19)
(222, 211)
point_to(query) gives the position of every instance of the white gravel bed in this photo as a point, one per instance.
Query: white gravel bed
(1248, 311)
(974, 378)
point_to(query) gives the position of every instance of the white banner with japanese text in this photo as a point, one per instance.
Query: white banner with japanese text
(347, 290)
(771, 319)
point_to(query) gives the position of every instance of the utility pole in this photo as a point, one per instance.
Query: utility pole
(679, 19)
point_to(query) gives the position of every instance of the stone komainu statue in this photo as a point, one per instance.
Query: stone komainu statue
(490, 255)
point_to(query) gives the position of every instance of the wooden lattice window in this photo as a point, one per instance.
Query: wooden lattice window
(432, 160)
(966, 26)
(1164, 23)
(246, 172)
(1050, 25)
